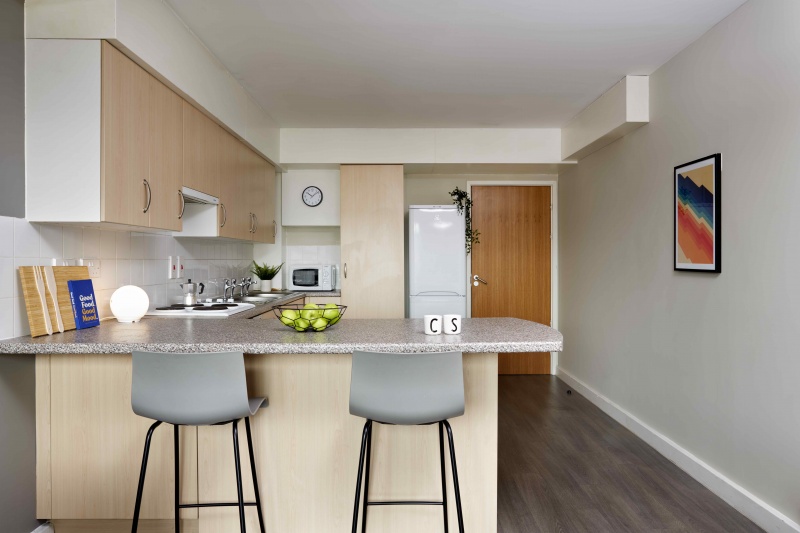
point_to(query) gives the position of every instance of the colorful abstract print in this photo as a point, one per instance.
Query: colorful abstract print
(696, 215)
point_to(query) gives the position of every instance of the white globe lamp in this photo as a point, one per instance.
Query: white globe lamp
(129, 304)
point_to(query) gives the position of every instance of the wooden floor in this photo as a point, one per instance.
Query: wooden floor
(565, 466)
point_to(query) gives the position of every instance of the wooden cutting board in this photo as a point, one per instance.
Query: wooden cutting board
(33, 304)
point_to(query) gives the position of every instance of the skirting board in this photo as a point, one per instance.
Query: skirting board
(765, 516)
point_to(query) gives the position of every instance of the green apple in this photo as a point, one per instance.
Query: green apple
(301, 324)
(291, 314)
(331, 311)
(287, 321)
(335, 320)
(310, 312)
(319, 324)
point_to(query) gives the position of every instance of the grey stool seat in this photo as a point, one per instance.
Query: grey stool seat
(407, 389)
(194, 390)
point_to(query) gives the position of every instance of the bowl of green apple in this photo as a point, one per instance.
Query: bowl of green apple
(309, 317)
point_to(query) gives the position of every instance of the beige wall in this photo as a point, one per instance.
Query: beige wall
(709, 361)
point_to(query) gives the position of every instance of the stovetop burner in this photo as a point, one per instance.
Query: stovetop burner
(205, 309)
(178, 307)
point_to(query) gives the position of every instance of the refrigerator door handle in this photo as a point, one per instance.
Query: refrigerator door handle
(438, 293)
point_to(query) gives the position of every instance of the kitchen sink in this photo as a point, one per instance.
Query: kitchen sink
(256, 299)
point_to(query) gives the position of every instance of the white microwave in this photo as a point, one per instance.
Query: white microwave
(313, 277)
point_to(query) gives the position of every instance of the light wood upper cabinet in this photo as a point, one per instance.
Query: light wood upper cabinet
(372, 235)
(166, 156)
(201, 151)
(125, 188)
(232, 214)
(263, 199)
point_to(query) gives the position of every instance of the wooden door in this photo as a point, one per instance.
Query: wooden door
(372, 234)
(166, 156)
(514, 258)
(234, 214)
(201, 147)
(124, 161)
(263, 196)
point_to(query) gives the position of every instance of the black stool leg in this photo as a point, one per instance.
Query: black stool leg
(455, 475)
(238, 474)
(176, 441)
(142, 472)
(366, 481)
(255, 475)
(444, 475)
(364, 436)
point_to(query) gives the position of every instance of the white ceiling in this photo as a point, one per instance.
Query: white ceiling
(441, 63)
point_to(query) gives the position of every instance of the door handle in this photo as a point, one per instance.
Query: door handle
(183, 204)
(477, 279)
(149, 196)
(224, 215)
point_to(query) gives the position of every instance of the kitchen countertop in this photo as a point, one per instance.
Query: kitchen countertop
(271, 336)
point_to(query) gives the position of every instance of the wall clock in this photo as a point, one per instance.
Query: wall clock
(312, 196)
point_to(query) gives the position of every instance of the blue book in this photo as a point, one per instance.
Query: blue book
(84, 304)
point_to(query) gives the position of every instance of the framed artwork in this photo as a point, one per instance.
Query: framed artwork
(698, 212)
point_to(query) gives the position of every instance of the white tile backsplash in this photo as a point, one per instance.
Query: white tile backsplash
(127, 258)
(6, 237)
(26, 239)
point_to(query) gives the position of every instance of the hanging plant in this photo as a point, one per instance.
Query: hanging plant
(464, 205)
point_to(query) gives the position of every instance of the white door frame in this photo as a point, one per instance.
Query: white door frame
(553, 184)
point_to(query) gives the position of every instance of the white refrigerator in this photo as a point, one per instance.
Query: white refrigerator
(437, 261)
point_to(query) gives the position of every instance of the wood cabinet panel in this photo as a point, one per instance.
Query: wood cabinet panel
(97, 441)
(125, 150)
(233, 212)
(372, 236)
(263, 201)
(166, 156)
(201, 148)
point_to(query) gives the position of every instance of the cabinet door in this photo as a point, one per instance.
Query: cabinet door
(373, 257)
(263, 201)
(125, 191)
(166, 156)
(235, 220)
(201, 148)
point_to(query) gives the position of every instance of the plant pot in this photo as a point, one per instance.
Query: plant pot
(266, 285)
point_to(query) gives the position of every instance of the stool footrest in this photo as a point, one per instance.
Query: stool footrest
(411, 502)
(225, 504)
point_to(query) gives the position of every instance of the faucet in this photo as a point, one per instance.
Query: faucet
(229, 284)
(244, 286)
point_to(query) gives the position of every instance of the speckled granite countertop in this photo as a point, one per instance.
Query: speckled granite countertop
(270, 336)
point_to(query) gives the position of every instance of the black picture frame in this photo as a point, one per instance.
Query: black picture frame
(683, 213)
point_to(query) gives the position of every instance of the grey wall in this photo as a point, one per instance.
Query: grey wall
(12, 108)
(17, 445)
(709, 361)
(17, 386)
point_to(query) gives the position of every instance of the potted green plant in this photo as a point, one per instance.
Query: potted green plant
(265, 273)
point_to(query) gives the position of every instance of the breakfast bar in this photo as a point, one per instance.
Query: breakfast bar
(306, 443)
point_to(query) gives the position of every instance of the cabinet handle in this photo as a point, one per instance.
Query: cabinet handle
(274, 229)
(345, 270)
(183, 204)
(149, 196)
(252, 223)
(255, 223)
(224, 215)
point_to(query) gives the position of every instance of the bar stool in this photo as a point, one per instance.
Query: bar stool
(407, 389)
(200, 389)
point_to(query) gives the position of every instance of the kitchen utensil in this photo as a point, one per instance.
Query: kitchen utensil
(39, 277)
(302, 318)
(50, 282)
(190, 292)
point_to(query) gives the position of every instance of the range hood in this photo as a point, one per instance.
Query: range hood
(193, 196)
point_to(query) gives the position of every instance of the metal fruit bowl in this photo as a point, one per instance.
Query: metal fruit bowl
(307, 318)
